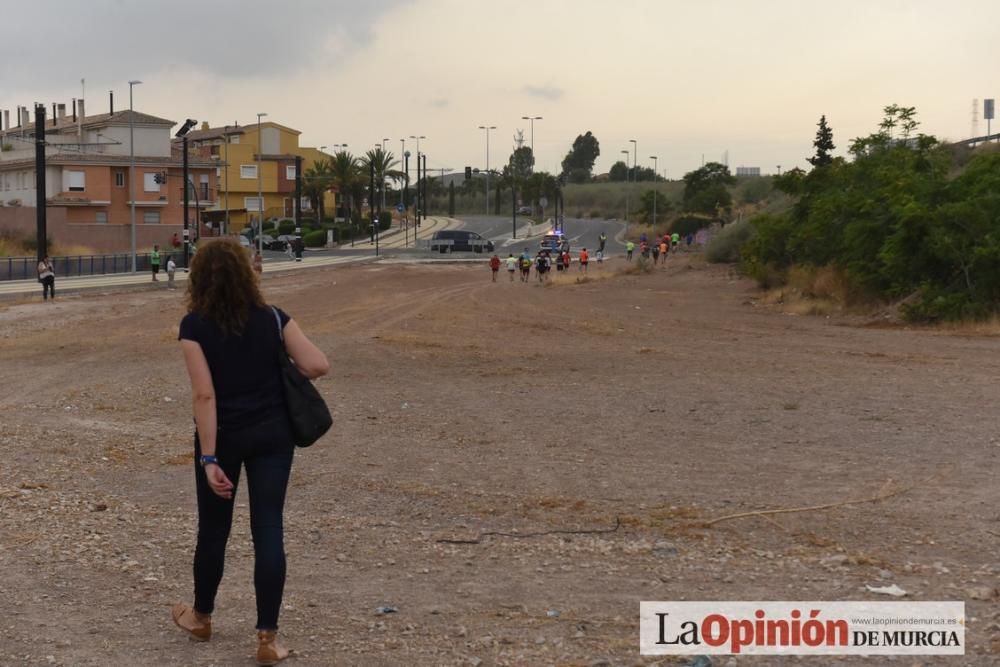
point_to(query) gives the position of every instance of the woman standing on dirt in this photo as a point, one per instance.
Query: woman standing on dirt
(47, 277)
(241, 421)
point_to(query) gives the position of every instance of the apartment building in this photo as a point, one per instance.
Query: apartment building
(87, 178)
(238, 151)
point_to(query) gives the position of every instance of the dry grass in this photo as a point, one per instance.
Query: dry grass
(988, 328)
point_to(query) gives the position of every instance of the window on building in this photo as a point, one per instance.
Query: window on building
(101, 217)
(248, 171)
(119, 179)
(151, 217)
(306, 204)
(235, 139)
(149, 183)
(251, 203)
(290, 173)
(204, 187)
(76, 181)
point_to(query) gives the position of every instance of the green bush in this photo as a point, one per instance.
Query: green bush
(315, 239)
(689, 224)
(286, 226)
(727, 245)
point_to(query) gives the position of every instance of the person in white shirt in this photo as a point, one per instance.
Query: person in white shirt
(171, 270)
(47, 277)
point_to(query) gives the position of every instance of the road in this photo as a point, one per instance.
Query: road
(581, 233)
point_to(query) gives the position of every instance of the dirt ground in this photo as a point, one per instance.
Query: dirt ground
(654, 403)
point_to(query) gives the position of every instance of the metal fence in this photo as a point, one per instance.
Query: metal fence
(26, 268)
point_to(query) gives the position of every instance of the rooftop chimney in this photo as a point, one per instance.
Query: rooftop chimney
(205, 125)
(25, 117)
(74, 109)
(6, 119)
(55, 118)
(62, 111)
(79, 108)
(111, 102)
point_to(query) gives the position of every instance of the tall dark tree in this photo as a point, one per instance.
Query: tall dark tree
(823, 144)
(578, 164)
(619, 171)
(706, 189)
(521, 163)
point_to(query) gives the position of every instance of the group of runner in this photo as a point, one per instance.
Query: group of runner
(543, 262)
(657, 247)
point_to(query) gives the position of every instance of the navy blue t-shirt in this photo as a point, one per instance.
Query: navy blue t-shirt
(245, 371)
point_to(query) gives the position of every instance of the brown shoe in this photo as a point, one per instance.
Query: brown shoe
(198, 626)
(269, 649)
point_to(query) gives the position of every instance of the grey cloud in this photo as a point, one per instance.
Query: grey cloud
(547, 92)
(107, 40)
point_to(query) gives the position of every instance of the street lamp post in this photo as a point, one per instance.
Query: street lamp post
(182, 134)
(653, 158)
(131, 168)
(487, 128)
(260, 193)
(421, 204)
(626, 187)
(225, 223)
(402, 152)
(635, 160)
(532, 120)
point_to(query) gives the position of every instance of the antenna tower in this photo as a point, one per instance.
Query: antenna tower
(975, 119)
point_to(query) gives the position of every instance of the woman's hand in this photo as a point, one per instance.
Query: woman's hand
(221, 486)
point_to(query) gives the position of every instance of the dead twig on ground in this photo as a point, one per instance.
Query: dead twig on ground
(478, 540)
(883, 494)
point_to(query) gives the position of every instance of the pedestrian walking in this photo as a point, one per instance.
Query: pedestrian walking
(299, 246)
(171, 270)
(656, 254)
(258, 262)
(494, 266)
(154, 262)
(512, 263)
(560, 261)
(540, 266)
(675, 240)
(525, 268)
(601, 240)
(47, 277)
(664, 250)
(629, 247)
(584, 259)
(241, 421)
(600, 258)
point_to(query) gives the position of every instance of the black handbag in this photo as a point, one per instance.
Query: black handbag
(307, 411)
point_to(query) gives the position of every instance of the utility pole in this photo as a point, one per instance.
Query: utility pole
(131, 170)
(653, 158)
(298, 195)
(487, 128)
(40, 219)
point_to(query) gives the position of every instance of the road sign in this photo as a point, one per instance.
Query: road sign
(543, 202)
(399, 208)
(988, 109)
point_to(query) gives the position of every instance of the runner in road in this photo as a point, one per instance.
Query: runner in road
(494, 266)
(629, 247)
(512, 263)
(601, 240)
(584, 259)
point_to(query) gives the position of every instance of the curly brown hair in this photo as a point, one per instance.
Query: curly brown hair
(222, 287)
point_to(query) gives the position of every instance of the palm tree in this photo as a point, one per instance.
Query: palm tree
(383, 161)
(316, 180)
(344, 174)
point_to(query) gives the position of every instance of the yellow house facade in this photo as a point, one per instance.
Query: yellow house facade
(248, 159)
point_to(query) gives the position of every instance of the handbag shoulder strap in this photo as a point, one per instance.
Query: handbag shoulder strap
(277, 320)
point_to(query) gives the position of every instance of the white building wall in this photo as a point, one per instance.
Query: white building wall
(149, 141)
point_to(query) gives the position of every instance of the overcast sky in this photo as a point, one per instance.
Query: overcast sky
(682, 78)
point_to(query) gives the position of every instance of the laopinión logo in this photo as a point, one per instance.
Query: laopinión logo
(802, 628)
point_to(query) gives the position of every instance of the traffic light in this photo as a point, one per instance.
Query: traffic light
(468, 173)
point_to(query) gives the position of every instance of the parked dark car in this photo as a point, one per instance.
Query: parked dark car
(458, 240)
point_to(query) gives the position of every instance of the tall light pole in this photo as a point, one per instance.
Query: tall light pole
(383, 143)
(260, 193)
(487, 128)
(402, 152)
(347, 214)
(635, 160)
(626, 187)
(532, 119)
(420, 202)
(131, 168)
(382, 184)
(225, 223)
(653, 158)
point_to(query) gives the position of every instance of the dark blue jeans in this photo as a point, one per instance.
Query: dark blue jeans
(266, 451)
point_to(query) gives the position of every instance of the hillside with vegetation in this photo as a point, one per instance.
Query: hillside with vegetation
(906, 218)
